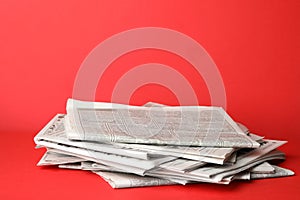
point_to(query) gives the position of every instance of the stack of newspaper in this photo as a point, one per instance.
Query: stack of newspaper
(134, 146)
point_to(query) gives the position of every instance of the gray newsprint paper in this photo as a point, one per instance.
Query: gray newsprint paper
(88, 165)
(204, 154)
(55, 138)
(224, 174)
(224, 177)
(132, 146)
(171, 125)
(154, 104)
(243, 161)
(196, 151)
(123, 180)
(278, 172)
(182, 165)
(54, 132)
(53, 158)
(104, 157)
(264, 168)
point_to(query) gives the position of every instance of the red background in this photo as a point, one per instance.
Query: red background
(255, 45)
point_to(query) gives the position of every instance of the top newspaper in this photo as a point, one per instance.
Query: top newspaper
(167, 125)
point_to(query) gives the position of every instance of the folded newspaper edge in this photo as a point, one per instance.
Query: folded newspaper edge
(116, 179)
(170, 125)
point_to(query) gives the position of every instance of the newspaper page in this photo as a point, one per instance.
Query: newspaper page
(185, 125)
(225, 177)
(221, 152)
(54, 131)
(73, 151)
(100, 157)
(182, 165)
(273, 155)
(76, 166)
(242, 160)
(185, 177)
(205, 154)
(264, 168)
(88, 165)
(122, 180)
(154, 104)
(278, 172)
(244, 175)
(53, 158)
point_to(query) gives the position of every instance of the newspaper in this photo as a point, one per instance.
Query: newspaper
(71, 166)
(104, 157)
(225, 177)
(244, 175)
(117, 180)
(205, 154)
(53, 158)
(243, 160)
(264, 168)
(122, 180)
(273, 155)
(54, 131)
(88, 165)
(134, 146)
(278, 172)
(154, 104)
(232, 159)
(185, 125)
(182, 165)
(221, 152)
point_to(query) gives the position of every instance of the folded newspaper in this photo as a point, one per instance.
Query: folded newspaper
(151, 145)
